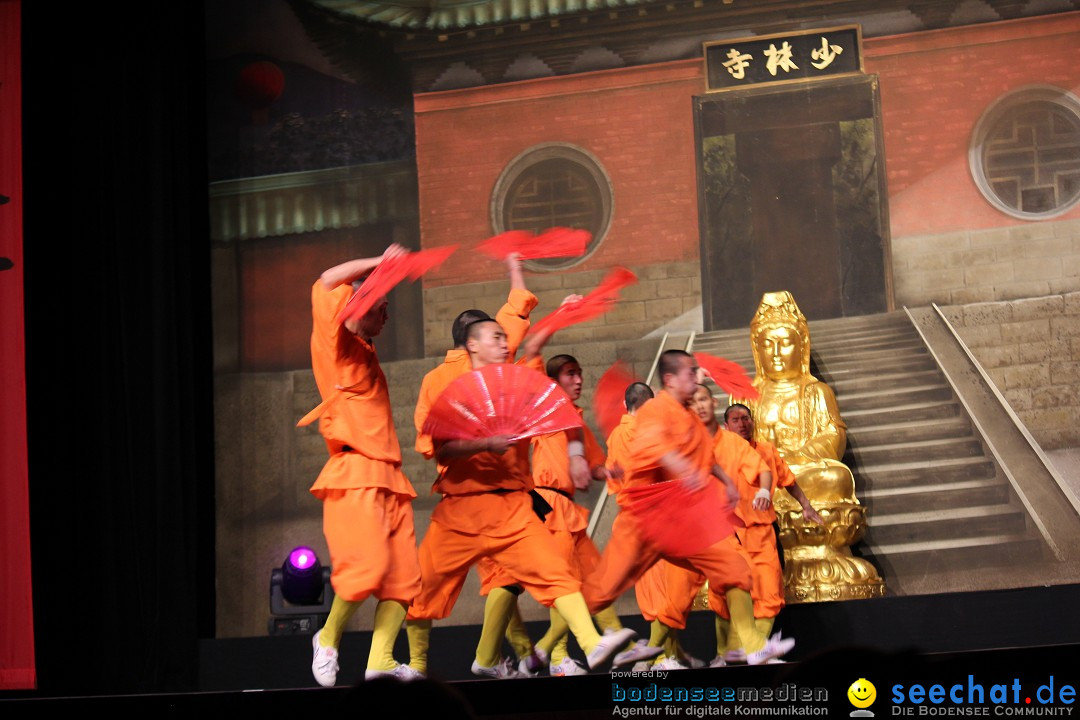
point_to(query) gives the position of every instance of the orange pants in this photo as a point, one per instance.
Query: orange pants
(530, 557)
(682, 586)
(372, 544)
(768, 592)
(577, 547)
(627, 557)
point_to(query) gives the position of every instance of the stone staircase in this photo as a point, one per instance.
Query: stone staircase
(937, 502)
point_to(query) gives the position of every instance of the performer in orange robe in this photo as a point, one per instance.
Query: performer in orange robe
(758, 537)
(564, 462)
(367, 501)
(486, 511)
(671, 443)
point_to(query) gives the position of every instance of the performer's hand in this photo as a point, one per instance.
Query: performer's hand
(513, 262)
(499, 444)
(809, 513)
(394, 250)
(571, 298)
(615, 472)
(703, 375)
(579, 472)
(762, 500)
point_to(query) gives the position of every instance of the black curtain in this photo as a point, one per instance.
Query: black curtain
(119, 386)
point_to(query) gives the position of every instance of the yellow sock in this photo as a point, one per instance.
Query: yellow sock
(419, 632)
(497, 609)
(658, 633)
(556, 631)
(607, 619)
(517, 635)
(576, 613)
(340, 612)
(764, 626)
(723, 633)
(389, 615)
(561, 649)
(671, 644)
(742, 620)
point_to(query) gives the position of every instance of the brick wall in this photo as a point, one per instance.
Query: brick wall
(1031, 350)
(934, 88)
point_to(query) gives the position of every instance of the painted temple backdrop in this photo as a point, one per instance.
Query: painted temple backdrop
(866, 156)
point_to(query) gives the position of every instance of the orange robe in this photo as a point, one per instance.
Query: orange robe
(759, 537)
(513, 316)
(567, 520)
(367, 501)
(619, 443)
(663, 425)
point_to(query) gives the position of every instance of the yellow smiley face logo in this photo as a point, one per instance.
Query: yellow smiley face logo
(862, 693)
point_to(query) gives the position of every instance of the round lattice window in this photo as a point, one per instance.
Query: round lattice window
(553, 185)
(1025, 153)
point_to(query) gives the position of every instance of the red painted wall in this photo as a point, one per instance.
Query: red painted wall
(934, 88)
(638, 123)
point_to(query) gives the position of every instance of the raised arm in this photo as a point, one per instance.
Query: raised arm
(351, 270)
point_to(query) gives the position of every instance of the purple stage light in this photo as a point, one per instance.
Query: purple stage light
(302, 558)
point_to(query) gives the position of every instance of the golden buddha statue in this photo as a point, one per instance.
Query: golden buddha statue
(798, 414)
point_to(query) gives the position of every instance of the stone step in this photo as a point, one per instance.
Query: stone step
(954, 426)
(852, 382)
(936, 496)
(840, 369)
(918, 473)
(902, 413)
(906, 396)
(964, 522)
(936, 449)
(915, 558)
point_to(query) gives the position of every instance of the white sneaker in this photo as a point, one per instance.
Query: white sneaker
(640, 651)
(670, 663)
(569, 666)
(774, 647)
(642, 666)
(735, 657)
(533, 663)
(502, 670)
(609, 644)
(692, 662)
(718, 662)
(404, 673)
(324, 664)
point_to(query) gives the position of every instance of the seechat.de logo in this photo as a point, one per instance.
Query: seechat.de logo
(862, 694)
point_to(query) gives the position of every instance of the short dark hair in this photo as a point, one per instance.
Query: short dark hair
(737, 405)
(671, 362)
(555, 365)
(636, 394)
(473, 328)
(459, 329)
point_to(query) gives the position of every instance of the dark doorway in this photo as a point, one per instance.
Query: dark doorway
(792, 197)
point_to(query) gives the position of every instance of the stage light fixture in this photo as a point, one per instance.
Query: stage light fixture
(300, 594)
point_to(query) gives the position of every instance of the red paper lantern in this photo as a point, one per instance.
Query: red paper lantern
(259, 85)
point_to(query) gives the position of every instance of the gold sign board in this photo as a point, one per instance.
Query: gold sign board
(801, 56)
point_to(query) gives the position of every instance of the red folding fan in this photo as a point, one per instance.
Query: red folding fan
(500, 399)
(556, 242)
(387, 274)
(728, 375)
(678, 521)
(596, 303)
(608, 400)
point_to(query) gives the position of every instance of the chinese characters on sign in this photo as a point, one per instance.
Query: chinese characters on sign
(804, 56)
